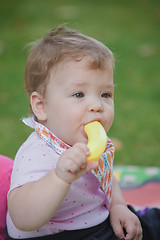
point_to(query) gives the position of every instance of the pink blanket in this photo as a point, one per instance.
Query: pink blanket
(6, 165)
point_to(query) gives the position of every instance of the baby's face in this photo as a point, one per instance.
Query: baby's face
(77, 95)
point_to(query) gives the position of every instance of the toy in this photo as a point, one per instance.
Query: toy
(97, 140)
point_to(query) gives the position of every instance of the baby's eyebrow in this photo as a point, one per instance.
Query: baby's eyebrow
(79, 84)
(109, 86)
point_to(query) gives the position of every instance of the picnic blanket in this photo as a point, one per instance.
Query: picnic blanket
(140, 185)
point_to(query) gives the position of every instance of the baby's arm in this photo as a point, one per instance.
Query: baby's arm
(121, 217)
(34, 204)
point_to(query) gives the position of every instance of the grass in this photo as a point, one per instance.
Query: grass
(129, 28)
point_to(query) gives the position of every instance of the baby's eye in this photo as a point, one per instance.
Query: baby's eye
(106, 95)
(78, 95)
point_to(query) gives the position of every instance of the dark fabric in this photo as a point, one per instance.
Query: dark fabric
(150, 224)
(102, 231)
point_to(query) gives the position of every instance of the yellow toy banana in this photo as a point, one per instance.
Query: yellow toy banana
(97, 140)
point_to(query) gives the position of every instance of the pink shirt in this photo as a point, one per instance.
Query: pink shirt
(83, 207)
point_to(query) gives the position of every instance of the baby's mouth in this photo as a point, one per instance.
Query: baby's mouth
(85, 134)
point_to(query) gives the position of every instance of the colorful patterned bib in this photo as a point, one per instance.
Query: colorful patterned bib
(104, 171)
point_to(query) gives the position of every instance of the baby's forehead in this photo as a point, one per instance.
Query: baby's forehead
(73, 70)
(87, 61)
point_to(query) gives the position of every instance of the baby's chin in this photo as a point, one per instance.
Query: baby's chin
(82, 139)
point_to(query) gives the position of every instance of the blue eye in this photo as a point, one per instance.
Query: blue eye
(106, 95)
(78, 95)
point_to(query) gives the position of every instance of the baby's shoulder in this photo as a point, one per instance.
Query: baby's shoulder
(35, 154)
(34, 146)
(32, 142)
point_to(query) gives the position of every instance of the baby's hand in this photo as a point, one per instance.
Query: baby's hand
(121, 217)
(73, 163)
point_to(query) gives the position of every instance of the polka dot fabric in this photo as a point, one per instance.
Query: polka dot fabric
(85, 205)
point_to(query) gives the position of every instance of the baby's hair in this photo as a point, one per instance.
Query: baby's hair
(61, 44)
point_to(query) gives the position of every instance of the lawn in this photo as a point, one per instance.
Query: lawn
(131, 29)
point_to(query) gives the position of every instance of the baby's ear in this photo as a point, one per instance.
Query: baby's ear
(38, 106)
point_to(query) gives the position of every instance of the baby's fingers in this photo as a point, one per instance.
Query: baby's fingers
(117, 227)
(134, 233)
(83, 147)
(80, 152)
(74, 160)
(91, 165)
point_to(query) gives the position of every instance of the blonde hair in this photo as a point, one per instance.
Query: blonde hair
(60, 44)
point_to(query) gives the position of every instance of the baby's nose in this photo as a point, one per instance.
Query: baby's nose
(96, 106)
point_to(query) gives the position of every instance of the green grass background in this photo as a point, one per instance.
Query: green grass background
(131, 29)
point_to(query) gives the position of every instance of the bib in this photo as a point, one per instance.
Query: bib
(104, 171)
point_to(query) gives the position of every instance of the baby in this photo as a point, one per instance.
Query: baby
(54, 192)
